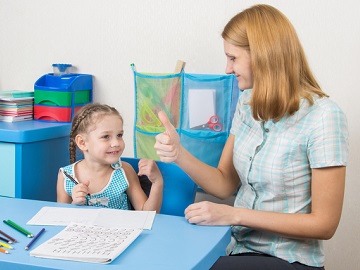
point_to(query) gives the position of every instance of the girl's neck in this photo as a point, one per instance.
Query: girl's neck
(94, 167)
(97, 174)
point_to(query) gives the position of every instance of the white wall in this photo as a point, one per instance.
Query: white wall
(104, 37)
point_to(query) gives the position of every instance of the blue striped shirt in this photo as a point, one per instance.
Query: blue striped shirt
(274, 162)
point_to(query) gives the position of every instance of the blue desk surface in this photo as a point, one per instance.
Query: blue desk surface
(172, 243)
(31, 131)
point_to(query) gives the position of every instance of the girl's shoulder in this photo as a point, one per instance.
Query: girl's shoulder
(70, 168)
(126, 167)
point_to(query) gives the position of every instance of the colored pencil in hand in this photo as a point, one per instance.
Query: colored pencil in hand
(18, 228)
(72, 179)
(34, 239)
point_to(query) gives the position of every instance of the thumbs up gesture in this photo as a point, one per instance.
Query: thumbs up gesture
(167, 144)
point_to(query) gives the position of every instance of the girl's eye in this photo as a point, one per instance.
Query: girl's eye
(232, 59)
(120, 135)
(105, 136)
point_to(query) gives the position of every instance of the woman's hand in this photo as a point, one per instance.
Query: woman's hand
(208, 213)
(167, 144)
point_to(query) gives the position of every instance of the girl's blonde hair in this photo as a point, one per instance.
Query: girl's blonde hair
(85, 119)
(281, 72)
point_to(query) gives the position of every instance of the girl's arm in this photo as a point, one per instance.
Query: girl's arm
(61, 195)
(327, 190)
(135, 193)
(149, 168)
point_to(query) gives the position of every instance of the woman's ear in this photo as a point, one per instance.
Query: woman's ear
(81, 142)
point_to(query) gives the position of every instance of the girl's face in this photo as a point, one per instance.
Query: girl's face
(239, 63)
(104, 142)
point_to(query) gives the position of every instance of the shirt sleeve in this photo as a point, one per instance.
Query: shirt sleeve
(328, 144)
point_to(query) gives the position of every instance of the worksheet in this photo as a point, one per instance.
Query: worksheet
(87, 243)
(63, 216)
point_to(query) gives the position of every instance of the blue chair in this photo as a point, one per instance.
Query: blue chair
(179, 189)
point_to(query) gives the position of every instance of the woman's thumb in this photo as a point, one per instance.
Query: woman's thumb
(166, 123)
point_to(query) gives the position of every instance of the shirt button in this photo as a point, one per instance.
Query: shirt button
(250, 158)
(267, 130)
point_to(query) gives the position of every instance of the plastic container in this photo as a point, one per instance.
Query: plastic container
(57, 98)
(62, 98)
(61, 69)
(54, 114)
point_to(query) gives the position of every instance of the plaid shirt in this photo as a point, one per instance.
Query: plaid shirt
(274, 162)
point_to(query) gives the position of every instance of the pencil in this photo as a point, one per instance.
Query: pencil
(34, 239)
(8, 236)
(5, 245)
(6, 240)
(18, 228)
(72, 179)
(3, 250)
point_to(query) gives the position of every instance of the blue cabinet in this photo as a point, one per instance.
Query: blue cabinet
(31, 153)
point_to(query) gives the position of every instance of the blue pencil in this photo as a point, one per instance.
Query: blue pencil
(34, 239)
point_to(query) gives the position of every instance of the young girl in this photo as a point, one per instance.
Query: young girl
(101, 179)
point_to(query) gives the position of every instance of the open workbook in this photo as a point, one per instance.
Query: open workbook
(87, 243)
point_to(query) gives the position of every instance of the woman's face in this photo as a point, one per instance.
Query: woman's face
(239, 63)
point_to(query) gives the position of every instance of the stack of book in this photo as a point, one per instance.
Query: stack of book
(16, 105)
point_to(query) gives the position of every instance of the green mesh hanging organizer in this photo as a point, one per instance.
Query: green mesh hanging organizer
(189, 100)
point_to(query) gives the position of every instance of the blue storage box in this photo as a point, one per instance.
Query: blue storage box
(68, 91)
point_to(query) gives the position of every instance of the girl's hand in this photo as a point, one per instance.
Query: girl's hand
(208, 213)
(167, 144)
(149, 168)
(79, 193)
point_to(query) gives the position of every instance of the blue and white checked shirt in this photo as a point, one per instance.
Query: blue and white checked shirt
(113, 194)
(274, 162)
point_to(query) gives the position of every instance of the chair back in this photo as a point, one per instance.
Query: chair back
(179, 190)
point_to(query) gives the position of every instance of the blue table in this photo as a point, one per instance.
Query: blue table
(172, 243)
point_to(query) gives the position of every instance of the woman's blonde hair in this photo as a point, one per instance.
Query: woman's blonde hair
(85, 119)
(281, 72)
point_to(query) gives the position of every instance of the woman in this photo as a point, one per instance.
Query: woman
(285, 156)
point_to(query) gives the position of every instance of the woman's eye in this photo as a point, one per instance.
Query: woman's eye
(232, 59)
(105, 136)
(120, 135)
